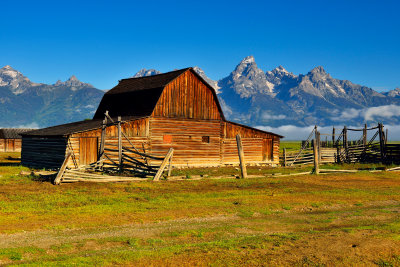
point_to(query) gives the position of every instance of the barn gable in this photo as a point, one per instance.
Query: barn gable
(135, 96)
(188, 96)
(179, 94)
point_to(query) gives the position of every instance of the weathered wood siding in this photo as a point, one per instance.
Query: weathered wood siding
(10, 145)
(43, 152)
(195, 142)
(137, 131)
(187, 97)
(258, 146)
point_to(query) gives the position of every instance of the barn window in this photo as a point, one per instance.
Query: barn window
(205, 139)
(167, 139)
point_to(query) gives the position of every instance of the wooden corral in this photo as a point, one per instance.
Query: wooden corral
(176, 110)
(341, 150)
(10, 139)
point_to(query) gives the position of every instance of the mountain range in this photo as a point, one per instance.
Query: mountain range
(248, 95)
(27, 104)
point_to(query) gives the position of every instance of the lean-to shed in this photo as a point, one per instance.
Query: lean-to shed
(10, 139)
(177, 109)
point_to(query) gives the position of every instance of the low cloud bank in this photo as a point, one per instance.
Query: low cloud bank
(369, 114)
(32, 125)
(292, 132)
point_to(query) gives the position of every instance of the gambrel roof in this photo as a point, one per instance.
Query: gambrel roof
(139, 96)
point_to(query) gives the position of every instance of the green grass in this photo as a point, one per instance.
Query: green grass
(290, 146)
(274, 221)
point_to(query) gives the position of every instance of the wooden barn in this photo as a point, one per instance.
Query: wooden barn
(177, 109)
(10, 139)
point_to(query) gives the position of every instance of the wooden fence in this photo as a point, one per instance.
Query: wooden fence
(341, 150)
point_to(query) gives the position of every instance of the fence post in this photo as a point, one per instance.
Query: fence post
(345, 144)
(318, 135)
(386, 136)
(381, 141)
(119, 144)
(365, 135)
(338, 154)
(316, 159)
(333, 137)
(241, 156)
(284, 157)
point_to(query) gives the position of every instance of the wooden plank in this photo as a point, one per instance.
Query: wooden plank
(163, 164)
(58, 179)
(241, 156)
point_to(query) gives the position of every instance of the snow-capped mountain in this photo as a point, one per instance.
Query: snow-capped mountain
(247, 95)
(278, 97)
(313, 98)
(393, 93)
(247, 80)
(14, 80)
(144, 72)
(25, 103)
(73, 83)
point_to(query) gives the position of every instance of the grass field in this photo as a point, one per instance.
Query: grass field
(347, 219)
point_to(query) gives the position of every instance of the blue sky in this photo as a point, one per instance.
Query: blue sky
(103, 41)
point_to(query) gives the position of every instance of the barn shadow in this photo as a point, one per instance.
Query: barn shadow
(10, 161)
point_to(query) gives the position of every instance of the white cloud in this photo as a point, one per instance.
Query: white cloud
(267, 116)
(382, 111)
(32, 125)
(369, 114)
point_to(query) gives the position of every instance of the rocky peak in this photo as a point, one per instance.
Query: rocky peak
(248, 60)
(247, 79)
(14, 79)
(276, 75)
(145, 72)
(318, 70)
(7, 67)
(73, 83)
(394, 93)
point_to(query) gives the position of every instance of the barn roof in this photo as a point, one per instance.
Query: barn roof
(74, 127)
(136, 96)
(139, 96)
(12, 133)
(146, 82)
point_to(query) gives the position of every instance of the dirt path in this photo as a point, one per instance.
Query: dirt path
(47, 238)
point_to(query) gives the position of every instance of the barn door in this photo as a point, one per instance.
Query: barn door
(10, 145)
(267, 150)
(87, 150)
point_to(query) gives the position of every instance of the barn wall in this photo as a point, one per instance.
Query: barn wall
(137, 131)
(43, 152)
(252, 148)
(195, 142)
(10, 145)
(256, 144)
(187, 97)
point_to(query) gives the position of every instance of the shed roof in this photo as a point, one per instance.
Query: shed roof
(13, 133)
(74, 127)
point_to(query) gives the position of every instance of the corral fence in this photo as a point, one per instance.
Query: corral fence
(341, 150)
